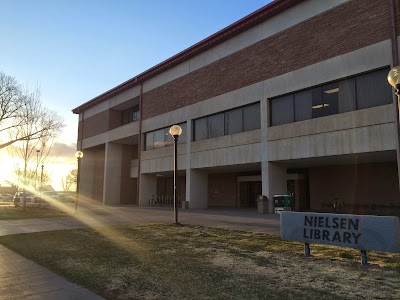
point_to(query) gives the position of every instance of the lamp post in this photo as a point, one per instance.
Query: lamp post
(394, 80)
(37, 164)
(78, 155)
(175, 131)
(41, 186)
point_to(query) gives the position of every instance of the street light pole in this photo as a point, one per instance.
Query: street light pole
(78, 155)
(41, 186)
(394, 80)
(175, 132)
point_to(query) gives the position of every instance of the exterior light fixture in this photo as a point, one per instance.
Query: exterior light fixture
(175, 131)
(78, 155)
(394, 77)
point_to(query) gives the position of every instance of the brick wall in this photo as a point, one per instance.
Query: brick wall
(94, 125)
(99, 123)
(360, 187)
(222, 190)
(353, 25)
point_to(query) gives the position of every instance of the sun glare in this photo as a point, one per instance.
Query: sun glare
(57, 169)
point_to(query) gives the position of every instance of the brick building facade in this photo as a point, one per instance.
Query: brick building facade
(293, 98)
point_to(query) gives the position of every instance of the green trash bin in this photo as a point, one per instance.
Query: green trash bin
(283, 203)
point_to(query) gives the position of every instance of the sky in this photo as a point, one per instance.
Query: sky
(76, 50)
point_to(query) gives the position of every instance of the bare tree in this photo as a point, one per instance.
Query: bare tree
(36, 126)
(33, 179)
(22, 115)
(68, 182)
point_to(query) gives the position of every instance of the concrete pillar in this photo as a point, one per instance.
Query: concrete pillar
(188, 162)
(274, 181)
(86, 175)
(112, 174)
(274, 178)
(147, 188)
(197, 189)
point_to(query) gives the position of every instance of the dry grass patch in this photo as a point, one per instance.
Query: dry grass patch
(157, 261)
(16, 213)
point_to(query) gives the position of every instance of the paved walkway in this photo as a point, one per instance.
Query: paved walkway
(21, 278)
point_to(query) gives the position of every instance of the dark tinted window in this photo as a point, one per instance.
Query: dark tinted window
(234, 121)
(200, 129)
(373, 89)
(162, 138)
(215, 126)
(283, 110)
(358, 92)
(347, 95)
(182, 138)
(251, 117)
(149, 140)
(303, 105)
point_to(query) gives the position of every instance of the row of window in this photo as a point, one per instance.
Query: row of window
(233, 121)
(162, 138)
(358, 92)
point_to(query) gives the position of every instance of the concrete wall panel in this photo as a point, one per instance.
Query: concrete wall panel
(235, 155)
(356, 140)
(118, 133)
(354, 119)
(113, 101)
(164, 164)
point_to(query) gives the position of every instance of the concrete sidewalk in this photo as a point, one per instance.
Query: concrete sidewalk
(239, 219)
(21, 278)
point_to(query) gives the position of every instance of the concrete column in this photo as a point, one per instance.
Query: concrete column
(274, 178)
(197, 189)
(188, 160)
(274, 181)
(112, 174)
(147, 188)
(86, 175)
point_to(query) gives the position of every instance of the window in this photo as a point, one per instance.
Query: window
(373, 89)
(215, 125)
(302, 105)
(130, 115)
(347, 95)
(251, 117)
(283, 110)
(358, 92)
(149, 140)
(233, 121)
(182, 138)
(200, 129)
(161, 138)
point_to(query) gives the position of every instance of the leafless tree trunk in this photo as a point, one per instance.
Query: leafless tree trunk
(68, 182)
(36, 125)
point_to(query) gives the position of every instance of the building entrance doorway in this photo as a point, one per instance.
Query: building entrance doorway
(298, 186)
(249, 191)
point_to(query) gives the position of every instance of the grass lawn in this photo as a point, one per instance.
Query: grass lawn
(165, 261)
(10, 212)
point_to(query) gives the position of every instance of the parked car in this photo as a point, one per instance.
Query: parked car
(6, 197)
(47, 196)
(67, 197)
(19, 198)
